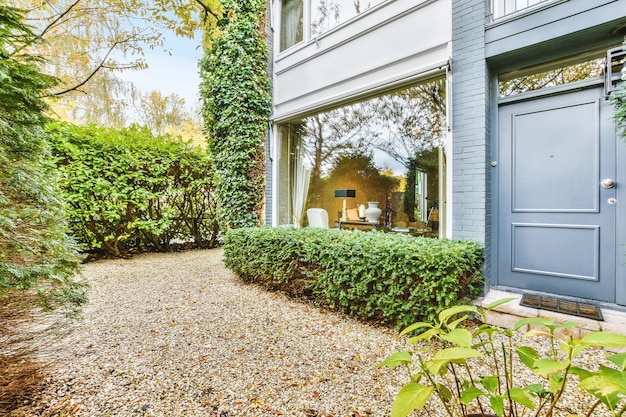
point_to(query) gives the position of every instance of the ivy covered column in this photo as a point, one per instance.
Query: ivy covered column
(237, 104)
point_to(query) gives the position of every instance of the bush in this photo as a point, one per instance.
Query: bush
(128, 188)
(389, 279)
(35, 251)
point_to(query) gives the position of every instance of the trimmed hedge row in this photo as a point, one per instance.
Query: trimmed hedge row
(127, 188)
(385, 278)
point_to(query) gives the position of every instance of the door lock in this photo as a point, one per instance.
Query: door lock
(607, 183)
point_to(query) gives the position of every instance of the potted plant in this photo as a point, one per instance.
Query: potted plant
(477, 370)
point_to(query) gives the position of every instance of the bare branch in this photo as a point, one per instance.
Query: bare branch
(90, 76)
(61, 16)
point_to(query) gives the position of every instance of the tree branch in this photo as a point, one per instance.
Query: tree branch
(207, 10)
(61, 16)
(90, 76)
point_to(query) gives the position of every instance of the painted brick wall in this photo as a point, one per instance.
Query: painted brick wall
(470, 187)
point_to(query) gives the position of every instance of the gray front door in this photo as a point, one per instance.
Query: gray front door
(558, 223)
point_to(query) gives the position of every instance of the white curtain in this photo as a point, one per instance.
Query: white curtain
(291, 23)
(301, 178)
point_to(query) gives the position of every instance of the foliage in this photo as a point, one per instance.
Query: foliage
(34, 248)
(618, 98)
(129, 188)
(385, 278)
(454, 373)
(236, 95)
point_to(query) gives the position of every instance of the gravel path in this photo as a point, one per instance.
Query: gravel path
(179, 335)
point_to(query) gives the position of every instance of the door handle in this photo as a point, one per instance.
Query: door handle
(607, 183)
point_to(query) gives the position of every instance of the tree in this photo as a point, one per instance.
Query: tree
(35, 250)
(86, 42)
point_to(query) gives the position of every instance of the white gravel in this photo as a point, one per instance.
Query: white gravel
(179, 335)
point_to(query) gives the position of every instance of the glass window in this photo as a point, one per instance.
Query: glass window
(291, 23)
(503, 8)
(385, 148)
(537, 78)
(326, 14)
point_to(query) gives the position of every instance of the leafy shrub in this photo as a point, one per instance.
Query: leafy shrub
(391, 279)
(35, 251)
(128, 188)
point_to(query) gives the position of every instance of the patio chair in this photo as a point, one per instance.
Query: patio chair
(318, 217)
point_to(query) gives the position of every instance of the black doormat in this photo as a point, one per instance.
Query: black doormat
(573, 308)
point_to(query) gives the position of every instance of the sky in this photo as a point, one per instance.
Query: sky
(171, 74)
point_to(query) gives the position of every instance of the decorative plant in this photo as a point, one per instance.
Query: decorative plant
(455, 373)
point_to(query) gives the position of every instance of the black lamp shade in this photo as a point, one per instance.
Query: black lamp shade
(345, 193)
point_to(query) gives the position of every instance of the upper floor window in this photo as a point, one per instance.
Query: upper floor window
(306, 19)
(503, 8)
(291, 23)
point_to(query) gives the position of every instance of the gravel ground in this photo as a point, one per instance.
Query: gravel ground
(179, 335)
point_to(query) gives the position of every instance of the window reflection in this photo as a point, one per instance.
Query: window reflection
(324, 16)
(386, 148)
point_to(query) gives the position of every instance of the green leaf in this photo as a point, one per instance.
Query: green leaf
(456, 354)
(522, 397)
(415, 326)
(619, 359)
(605, 339)
(459, 337)
(490, 383)
(470, 394)
(500, 302)
(497, 403)
(545, 367)
(396, 359)
(533, 321)
(527, 356)
(412, 396)
(452, 311)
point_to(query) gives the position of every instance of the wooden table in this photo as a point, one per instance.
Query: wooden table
(358, 225)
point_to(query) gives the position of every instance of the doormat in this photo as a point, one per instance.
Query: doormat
(573, 308)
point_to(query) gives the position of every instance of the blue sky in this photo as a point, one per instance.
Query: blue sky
(171, 74)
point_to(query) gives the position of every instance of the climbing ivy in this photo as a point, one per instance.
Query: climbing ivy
(618, 99)
(236, 105)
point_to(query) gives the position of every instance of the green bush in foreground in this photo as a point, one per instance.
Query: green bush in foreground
(390, 279)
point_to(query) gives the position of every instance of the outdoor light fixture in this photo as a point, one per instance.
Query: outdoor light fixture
(344, 194)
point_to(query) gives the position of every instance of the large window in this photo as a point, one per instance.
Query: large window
(387, 149)
(322, 16)
(503, 8)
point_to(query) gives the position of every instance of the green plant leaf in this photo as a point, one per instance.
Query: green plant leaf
(396, 359)
(500, 302)
(452, 311)
(490, 383)
(459, 337)
(456, 354)
(527, 355)
(412, 396)
(470, 394)
(546, 367)
(533, 321)
(605, 339)
(497, 403)
(619, 359)
(522, 397)
(415, 326)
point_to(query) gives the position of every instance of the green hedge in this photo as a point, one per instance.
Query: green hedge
(385, 278)
(129, 188)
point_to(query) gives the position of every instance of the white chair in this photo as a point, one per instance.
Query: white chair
(318, 217)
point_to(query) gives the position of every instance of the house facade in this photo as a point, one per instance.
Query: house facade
(472, 119)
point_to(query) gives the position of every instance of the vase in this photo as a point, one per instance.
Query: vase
(372, 212)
